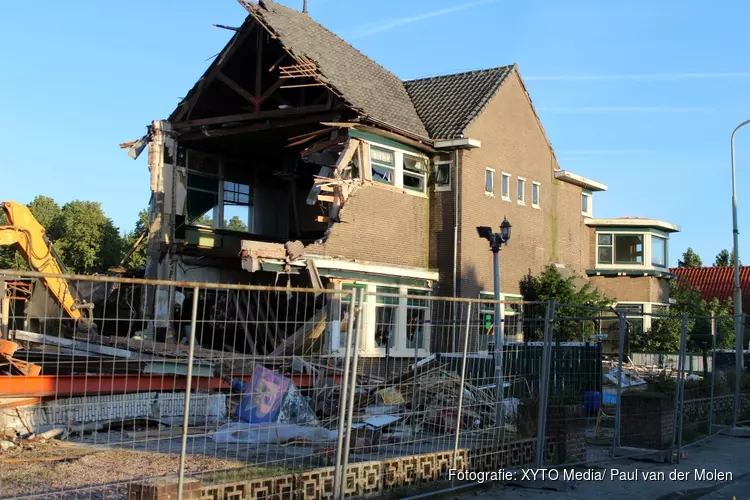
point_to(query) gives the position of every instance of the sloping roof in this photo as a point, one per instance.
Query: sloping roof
(364, 84)
(447, 104)
(716, 281)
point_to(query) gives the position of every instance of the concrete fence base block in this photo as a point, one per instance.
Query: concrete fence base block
(646, 455)
(164, 489)
(539, 484)
(727, 430)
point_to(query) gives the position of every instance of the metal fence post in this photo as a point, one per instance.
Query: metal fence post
(714, 331)
(463, 383)
(622, 327)
(541, 431)
(681, 384)
(4, 310)
(352, 391)
(188, 384)
(337, 474)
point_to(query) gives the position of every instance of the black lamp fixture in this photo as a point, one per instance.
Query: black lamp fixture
(496, 240)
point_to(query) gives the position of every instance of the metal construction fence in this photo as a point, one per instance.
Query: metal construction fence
(234, 391)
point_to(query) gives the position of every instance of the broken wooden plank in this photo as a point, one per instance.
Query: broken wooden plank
(346, 156)
(309, 327)
(309, 134)
(340, 124)
(320, 146)
(327, 188)
(324, 198)
(321, 218)
(87, 347)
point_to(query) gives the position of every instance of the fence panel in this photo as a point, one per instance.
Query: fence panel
(227, 389)
(288, 392)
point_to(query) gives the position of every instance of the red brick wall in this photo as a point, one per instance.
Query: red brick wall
(380, 225)
(513, 142)
(633, 288)
(442, 220)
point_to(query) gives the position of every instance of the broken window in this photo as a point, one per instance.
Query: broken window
(386, 317)
(383, 165)
(202, 197)
(416, 315)
(414, 173)
(237, 201)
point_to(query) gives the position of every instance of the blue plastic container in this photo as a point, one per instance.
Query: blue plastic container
(592, 400)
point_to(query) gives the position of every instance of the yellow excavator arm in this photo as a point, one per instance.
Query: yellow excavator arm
(29, 236)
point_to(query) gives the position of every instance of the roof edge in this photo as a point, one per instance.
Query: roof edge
(634, 223)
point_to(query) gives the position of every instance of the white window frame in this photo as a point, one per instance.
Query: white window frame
(538, 187)
(369, 317)
(505, 195)
(491, 171)
(522, 200)
(398, 169)
(444, 187)
(647, 260)
(666, 247)
(589, 203)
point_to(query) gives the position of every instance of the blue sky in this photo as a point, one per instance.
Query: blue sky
(640, 95)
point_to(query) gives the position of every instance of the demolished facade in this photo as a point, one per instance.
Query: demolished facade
(296, 160)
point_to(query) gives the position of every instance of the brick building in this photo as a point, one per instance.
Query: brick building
(296, 158)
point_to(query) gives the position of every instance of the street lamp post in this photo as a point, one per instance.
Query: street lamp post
(497, 240)
(738, 316)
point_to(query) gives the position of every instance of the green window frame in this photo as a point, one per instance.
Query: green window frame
(383, 165)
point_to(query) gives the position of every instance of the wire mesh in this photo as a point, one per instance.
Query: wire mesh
(339, 392)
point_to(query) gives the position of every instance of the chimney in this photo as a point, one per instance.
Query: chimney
(304, 6)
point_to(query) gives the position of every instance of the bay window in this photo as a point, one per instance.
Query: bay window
(638, 249)
(658, 251)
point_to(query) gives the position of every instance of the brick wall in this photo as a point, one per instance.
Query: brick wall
(633, 288)
(442, 220)
(513, 142)
(380, 225)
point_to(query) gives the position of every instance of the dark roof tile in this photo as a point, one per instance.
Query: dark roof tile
(447, 104)
(365, 85)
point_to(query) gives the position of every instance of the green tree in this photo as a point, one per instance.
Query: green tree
(47, 212)
(235, 224)
(725, 258)
(665, 332)
(551, 285)
(138, 257)
(89, 241)
(690, 259)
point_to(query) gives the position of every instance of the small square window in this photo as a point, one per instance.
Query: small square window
(489, 181)
(442, 176)
(535, 186)
(521, 185)
(505, 186)
(586, 204)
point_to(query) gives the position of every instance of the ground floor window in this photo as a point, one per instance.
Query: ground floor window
(386, 316)
(416, 317)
